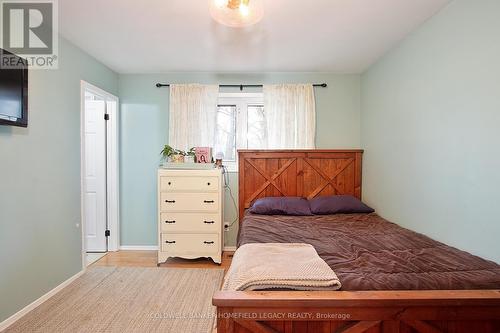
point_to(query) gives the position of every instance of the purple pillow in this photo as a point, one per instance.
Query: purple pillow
(281, 206)
(338, 204)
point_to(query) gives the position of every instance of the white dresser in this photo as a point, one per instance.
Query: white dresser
(190, 206)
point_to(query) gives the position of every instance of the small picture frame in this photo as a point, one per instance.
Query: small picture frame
(203, 154)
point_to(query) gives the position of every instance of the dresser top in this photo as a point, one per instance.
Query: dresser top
(192, 172)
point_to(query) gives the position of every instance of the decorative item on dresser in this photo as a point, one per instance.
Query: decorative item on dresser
(190, 214)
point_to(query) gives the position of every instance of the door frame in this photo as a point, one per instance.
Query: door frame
(112, 168)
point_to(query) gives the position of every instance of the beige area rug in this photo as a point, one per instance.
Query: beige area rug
(123, 299)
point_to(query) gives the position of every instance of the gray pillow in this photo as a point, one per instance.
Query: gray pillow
(281, 206)
(338, 204)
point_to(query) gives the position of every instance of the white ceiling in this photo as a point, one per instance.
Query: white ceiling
(146, 36)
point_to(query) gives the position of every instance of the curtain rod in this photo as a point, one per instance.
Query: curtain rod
(241, 86)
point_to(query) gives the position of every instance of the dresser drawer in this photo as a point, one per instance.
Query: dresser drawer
(189, 202)
(190, 243)
(191, 222)
(194, 184)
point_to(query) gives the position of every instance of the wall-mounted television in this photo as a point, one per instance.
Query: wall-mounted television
(13, 92)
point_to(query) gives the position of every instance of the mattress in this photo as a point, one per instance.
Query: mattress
(369, 253)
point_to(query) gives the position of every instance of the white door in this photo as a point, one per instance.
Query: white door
(94, 180)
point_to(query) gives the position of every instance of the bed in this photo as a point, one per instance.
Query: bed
(369, 253)
(393, 280)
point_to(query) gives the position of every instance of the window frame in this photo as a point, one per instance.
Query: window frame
(241, 101)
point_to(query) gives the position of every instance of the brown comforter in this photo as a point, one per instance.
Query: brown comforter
(369, 253)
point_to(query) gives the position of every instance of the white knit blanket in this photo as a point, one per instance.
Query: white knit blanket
(279, 265)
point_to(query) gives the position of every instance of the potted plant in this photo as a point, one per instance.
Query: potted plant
(178, 156)
(191, 155)
(172, 155)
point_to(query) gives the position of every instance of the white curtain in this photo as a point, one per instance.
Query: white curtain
(290, 116)
(192, 115)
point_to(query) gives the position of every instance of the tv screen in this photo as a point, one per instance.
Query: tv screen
(13, 94)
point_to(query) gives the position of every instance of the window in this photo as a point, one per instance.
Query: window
(241, 124)
(225, 140)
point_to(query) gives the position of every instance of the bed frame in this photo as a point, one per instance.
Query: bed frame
(311, 173)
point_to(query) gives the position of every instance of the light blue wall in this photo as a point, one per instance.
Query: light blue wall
(431, 129)
(40, 244)
(144, 130)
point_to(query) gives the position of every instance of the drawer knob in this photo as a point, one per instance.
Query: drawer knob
(207, 242)
(208, 201)
(208, 183)
(170, 201)
(170, 242)
(169, 183)
(209, 222)
(170, 222)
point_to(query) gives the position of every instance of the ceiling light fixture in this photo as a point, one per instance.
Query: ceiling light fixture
(237, 13)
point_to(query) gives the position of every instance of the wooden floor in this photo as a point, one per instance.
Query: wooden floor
(148, 259)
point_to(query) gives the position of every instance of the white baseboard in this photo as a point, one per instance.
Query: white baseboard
(155, 248)
(18, 315)
(139, 248)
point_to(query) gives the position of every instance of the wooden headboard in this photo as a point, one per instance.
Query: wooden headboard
(301, 173)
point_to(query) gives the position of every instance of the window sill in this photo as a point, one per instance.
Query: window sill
(231, 166)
